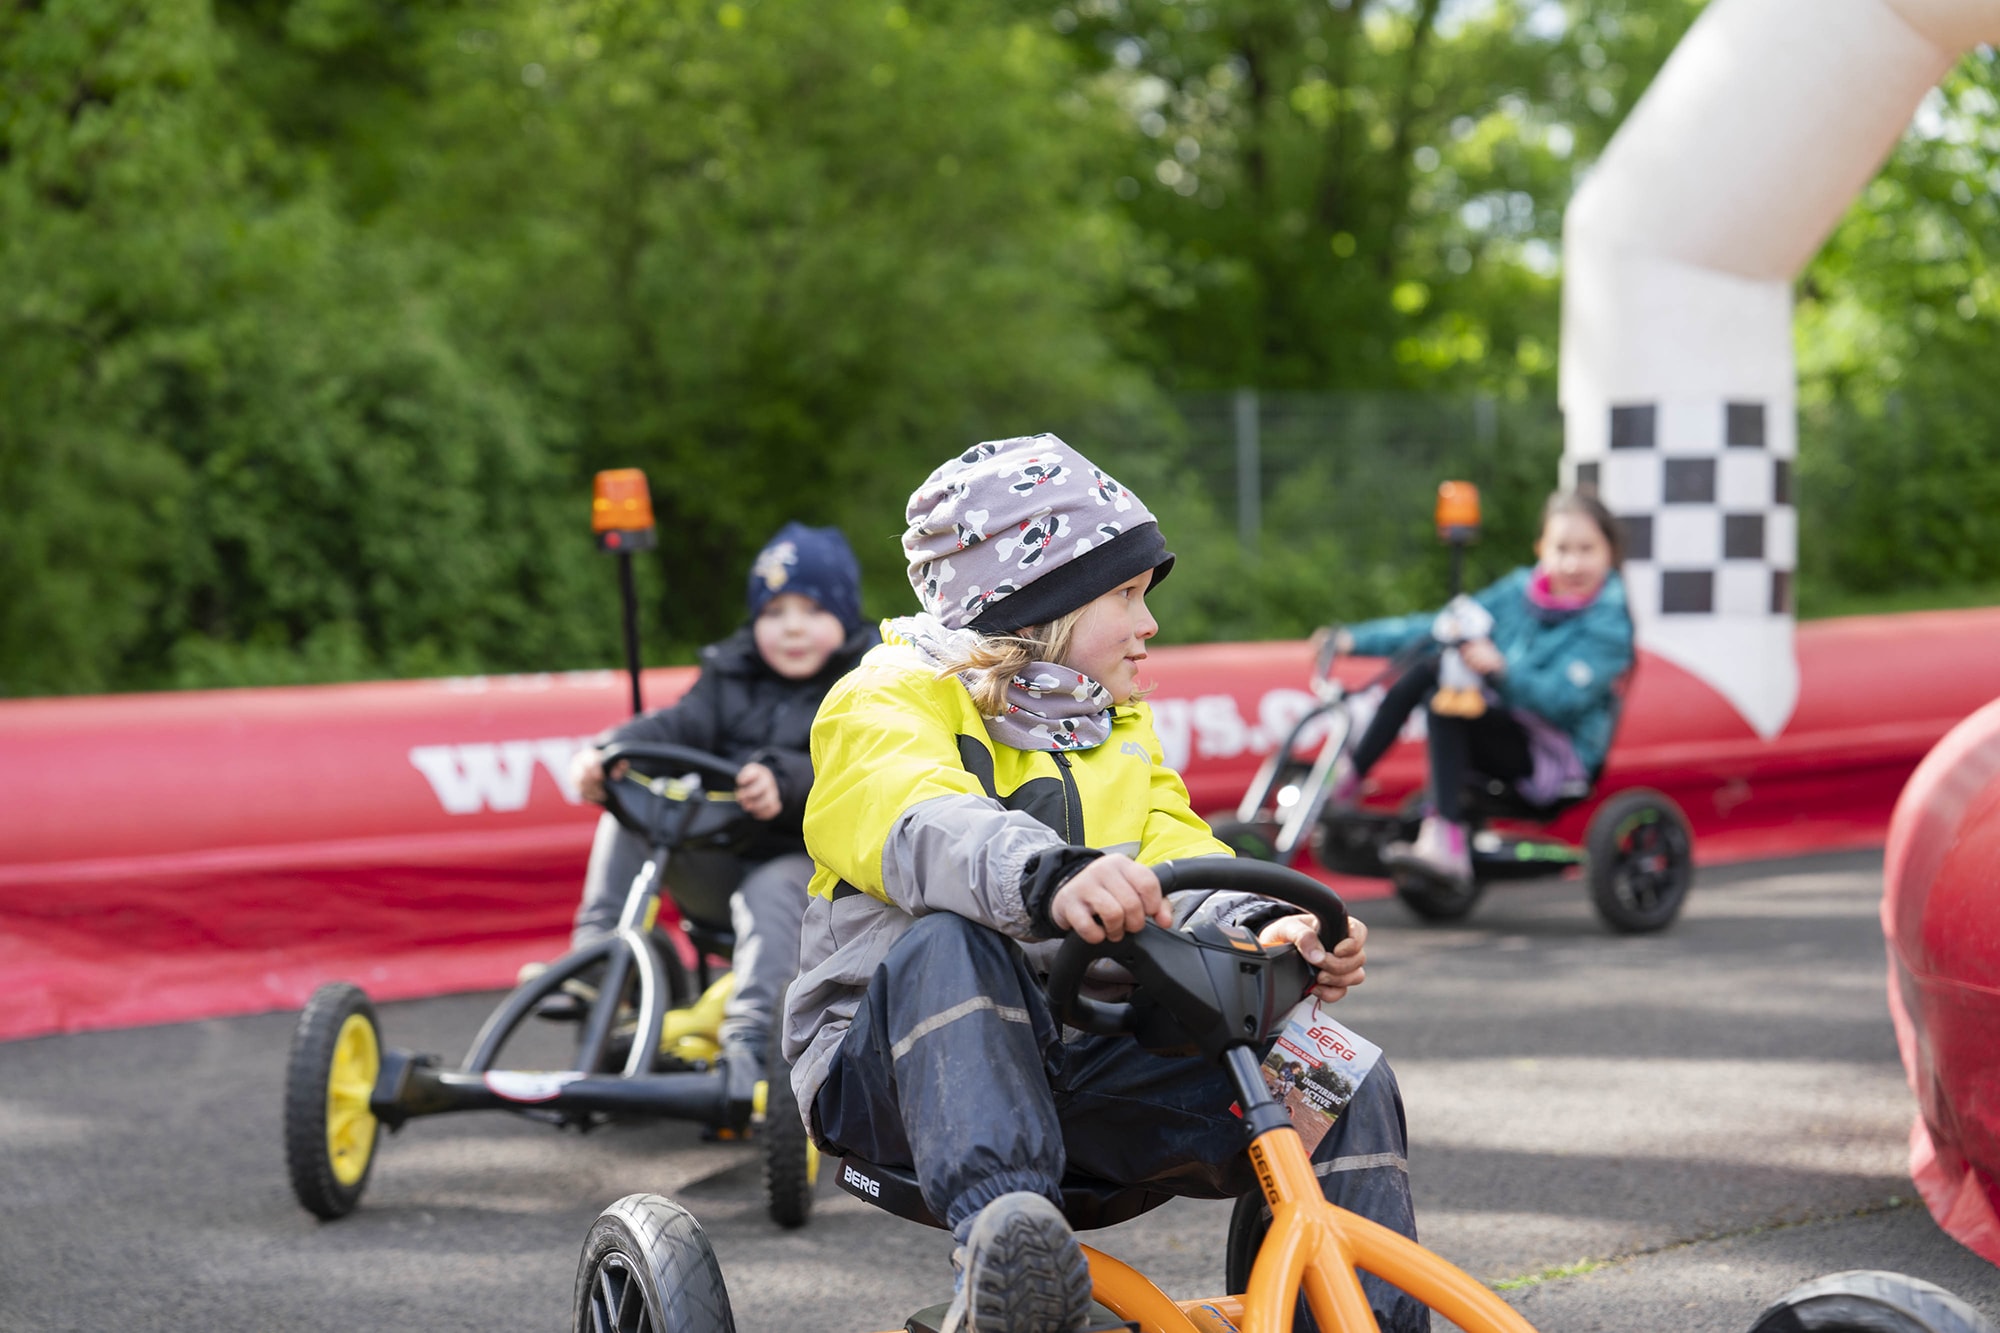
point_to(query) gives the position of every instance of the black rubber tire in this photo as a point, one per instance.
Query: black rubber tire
(1870, 1301)
(647, 1268)
(314, 1174)
(1251, 840)
(1437, 902)
(1639, 855)
(790, 1162)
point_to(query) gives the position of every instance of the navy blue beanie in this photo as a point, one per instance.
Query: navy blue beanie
(813, 562)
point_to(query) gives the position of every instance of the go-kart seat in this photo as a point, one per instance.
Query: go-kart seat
(1492, 798)
(1088, 1203)
(1495, 798)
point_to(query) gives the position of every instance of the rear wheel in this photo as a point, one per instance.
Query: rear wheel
(1641, 861)
(330, 1130)
(647, 1268)
(1870, 1301)
(791, 1162)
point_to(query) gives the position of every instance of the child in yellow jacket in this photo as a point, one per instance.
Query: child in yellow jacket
(988, 781)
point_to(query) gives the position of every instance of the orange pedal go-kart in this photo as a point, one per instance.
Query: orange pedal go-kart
(647, 1267)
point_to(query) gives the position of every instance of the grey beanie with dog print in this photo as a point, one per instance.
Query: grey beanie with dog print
(1020, 532)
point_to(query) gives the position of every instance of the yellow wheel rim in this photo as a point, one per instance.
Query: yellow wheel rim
(812, 1164)
(350, 1082)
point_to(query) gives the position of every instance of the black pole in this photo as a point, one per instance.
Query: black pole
(631, 598)
(1457, 567)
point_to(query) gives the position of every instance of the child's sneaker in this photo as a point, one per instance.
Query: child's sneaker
(1019, 1271)
(1439, 853)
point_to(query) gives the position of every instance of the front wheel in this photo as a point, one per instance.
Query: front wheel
(330, 1130)
(1870, 1301)
(1256, 841)
(791, 1162)
(1435, 900)
(647, 1268)
(1641, 861)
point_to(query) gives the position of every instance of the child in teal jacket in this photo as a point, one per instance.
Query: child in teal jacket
(1561, 640)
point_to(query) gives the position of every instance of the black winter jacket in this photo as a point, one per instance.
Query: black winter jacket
(740, 709)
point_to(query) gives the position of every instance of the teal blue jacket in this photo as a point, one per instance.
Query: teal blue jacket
(1561, 666)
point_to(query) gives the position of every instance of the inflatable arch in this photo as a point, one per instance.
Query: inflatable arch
(1678, 389)
(1679, 399)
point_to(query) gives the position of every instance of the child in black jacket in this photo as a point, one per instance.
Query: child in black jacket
(753, 704)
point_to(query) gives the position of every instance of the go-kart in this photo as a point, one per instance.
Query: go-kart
(647, 1266)
(646, 1044)
(1637, 853)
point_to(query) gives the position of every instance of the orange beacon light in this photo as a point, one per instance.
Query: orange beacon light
(621, 511)
(621, 514)
(1458, 511)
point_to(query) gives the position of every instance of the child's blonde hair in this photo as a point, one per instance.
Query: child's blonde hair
(993, 660)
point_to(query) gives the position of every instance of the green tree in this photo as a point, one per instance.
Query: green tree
(238, 444)
(784, 258)
(320, 314)
(1899, 456)
(1360, 193)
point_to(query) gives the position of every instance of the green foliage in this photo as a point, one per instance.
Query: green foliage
(1899, 459)
(321, 314)
(234, 431)
(782, 258)
(1360, 194)
(317, 315)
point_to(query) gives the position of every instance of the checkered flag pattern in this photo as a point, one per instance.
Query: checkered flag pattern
(1706, 507)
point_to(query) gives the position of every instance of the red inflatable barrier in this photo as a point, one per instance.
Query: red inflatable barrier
(1941, 921)
(173, 856)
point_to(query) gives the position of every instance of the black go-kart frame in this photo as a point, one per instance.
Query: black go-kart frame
(645, 1047)
(1637, 853)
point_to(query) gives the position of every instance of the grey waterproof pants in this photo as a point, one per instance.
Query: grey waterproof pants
(954, 1066)
(764, 915)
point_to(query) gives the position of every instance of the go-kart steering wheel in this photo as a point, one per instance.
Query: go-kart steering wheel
(1209, 989)
(655, 816)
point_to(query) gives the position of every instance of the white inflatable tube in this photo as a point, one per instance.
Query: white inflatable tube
(1678, 388)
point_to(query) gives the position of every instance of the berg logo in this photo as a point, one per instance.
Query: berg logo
(1331, 1043)
(849, 1176)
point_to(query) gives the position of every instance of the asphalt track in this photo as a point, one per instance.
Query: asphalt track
(1658, 1133)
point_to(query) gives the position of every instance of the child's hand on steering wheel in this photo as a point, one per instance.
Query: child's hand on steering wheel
(1337, 635)
(757, 791)
(1339, 971)
(1110, 898)
(1483, 657)
(586, 773)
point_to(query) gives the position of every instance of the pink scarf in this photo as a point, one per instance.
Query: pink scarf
(1542, 595)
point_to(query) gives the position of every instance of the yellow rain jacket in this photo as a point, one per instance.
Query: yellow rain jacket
(915, 809)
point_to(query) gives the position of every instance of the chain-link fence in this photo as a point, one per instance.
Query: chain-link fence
(1293, 509)
(1366, 465)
